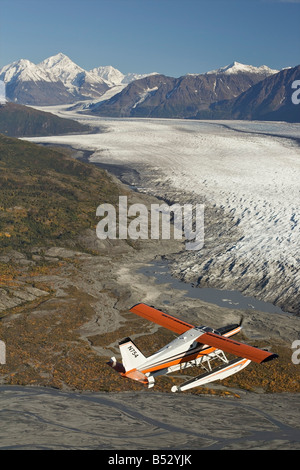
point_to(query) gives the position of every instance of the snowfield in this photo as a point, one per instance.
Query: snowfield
(247, 174)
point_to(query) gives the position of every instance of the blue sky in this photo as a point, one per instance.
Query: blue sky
(173, 37)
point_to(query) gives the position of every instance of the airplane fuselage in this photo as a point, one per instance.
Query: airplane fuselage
(184, 351)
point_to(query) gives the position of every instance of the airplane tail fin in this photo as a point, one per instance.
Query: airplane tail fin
(132, 357)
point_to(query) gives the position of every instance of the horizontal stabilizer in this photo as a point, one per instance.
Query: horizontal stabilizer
(133, 374)
(160, 318)
(236, 348)
(229, 330)
(116, 365)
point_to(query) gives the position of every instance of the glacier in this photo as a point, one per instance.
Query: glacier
(246, 173)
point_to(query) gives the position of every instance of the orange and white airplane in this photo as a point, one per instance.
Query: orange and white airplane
(196, 346)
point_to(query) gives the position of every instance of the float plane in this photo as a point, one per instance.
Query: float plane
(198, 346)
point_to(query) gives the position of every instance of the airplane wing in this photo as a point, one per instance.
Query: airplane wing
(236, 348)
(162, 319)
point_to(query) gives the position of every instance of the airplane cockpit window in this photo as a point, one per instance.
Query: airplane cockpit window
(208, 329)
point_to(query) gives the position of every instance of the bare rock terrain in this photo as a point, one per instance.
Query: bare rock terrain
(67, 333)
(42, 419)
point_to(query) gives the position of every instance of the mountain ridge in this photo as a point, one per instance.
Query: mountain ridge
(183, 97)
(58, 80)
(270, 100)
(106, 91)
(17, 120)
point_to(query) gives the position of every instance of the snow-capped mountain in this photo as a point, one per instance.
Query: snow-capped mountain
(111, 75)
(24, 70)
(62, 68)
(58, 80)
(28, 83)
(114, 77)
(237, 67)
(131, 77)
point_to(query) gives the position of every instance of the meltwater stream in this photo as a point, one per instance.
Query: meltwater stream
(159, 269)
